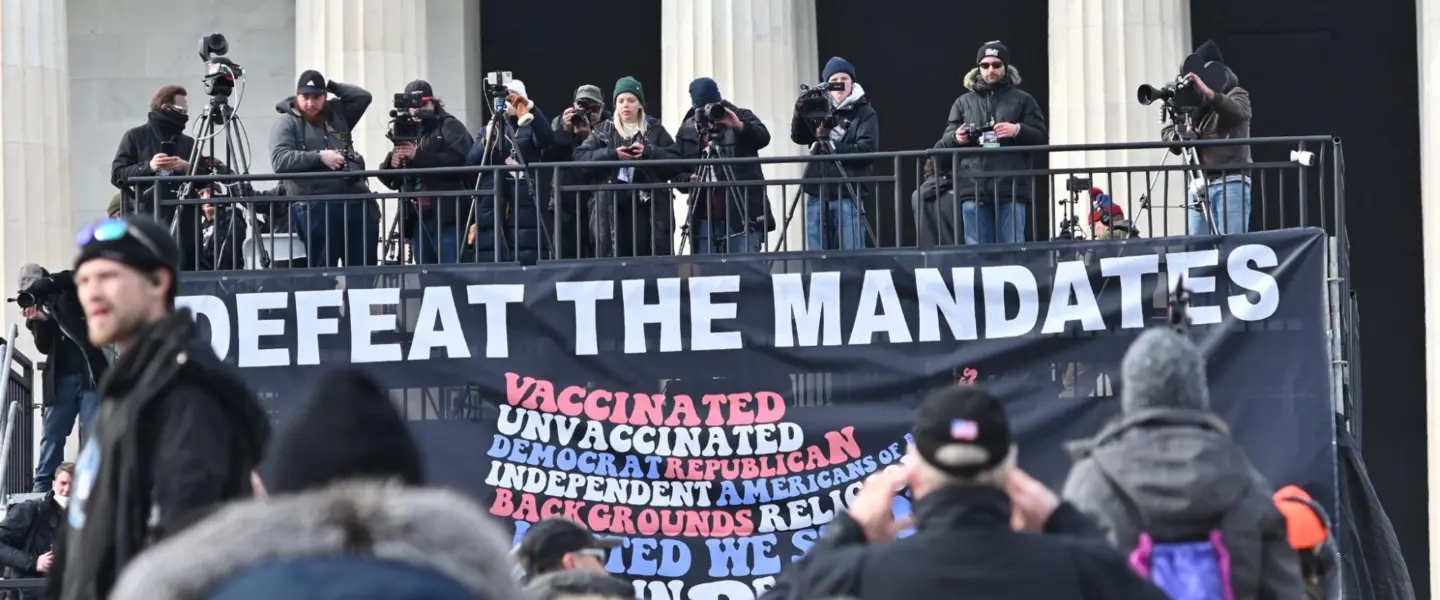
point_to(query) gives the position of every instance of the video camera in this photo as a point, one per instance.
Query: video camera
(706, 116)
(220, 72)
(1179, 98)
(974, 131)
(404, 127)
(815, 106)
(43, 291)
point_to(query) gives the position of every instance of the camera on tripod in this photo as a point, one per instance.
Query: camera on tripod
(497, 87)
(815, 106)
(706, 118)
(404, 127)
(220, 72)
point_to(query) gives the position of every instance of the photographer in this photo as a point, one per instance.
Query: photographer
(852, 128)
(719, 226)
(312, 135)
(634, 222)
(159, 147)
(522, 139)
(573, 240)
(1225, 115)
(72, 366)
(434, 224)
(995, 113)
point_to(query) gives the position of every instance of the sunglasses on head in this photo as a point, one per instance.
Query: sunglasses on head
(109, 230)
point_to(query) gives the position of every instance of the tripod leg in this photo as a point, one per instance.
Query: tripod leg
(782, 244)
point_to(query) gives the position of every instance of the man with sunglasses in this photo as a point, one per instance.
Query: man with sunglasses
(558, 544)
(433, 224)
(159, 147)
(994, 113)
(177, 431)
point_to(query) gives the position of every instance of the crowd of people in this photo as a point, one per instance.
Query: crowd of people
(511, 213)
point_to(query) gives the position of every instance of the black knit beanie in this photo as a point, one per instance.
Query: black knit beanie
(347, 429)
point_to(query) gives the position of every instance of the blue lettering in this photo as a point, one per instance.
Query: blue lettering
(729, 496)
(606, 465)
(674, 559)
(499, 447)
(585, 462)
(632, 469)
(803, 540)
(823, 479)
(566, 459)
(757, 491)
(520, 528)
(654, 462)
(640, 562)
(728, 556)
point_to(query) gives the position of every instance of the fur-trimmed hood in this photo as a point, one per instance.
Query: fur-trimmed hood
(437, 531)
(1012, 75)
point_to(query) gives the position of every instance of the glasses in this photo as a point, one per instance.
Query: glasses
(992, 65)
(109, 230)
(595, 553)
(179, 109)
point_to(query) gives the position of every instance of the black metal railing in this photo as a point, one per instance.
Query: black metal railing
(19, 470)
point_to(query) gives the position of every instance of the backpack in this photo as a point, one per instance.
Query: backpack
(1184, 568)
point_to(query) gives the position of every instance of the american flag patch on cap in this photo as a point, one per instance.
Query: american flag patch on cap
(962, 429)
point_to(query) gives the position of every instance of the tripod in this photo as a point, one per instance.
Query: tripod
(501, 128)
(1194, 175)
(733, 198)
(1070, 222)
(221, 120)
(829, 146)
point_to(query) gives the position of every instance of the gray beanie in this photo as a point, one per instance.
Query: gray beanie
(1163, 369)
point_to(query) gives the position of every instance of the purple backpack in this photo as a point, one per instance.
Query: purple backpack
(1194, 570)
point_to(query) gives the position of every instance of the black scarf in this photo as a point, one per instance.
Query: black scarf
(168, 122)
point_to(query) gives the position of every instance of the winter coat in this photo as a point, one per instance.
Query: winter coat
(443, 142)
(521, 236)
(64, 338)
(1226, 117)
(858, 131)
(984, 106)
(1176, 474)
(632, 222)
(27, 532)
(295, 143)
(132, 159)
(753, 212)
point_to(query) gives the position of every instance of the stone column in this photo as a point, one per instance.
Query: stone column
(759, 51)
(37, 206)
(453, 46)
(1100, 52)
(1427, 17)
(379, 45)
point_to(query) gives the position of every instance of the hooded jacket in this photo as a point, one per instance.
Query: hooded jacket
(859, 133)
(754, 212)
(443, 143)
(983, 106)
(521, 237)
(355, 540)
(295, 143)
(132, 159)
(177, 432)
(1226, 117)
(27, 532)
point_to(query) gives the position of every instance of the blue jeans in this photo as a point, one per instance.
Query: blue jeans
(986, 223)
(842, 225)
(74, 397)
(714, 237)
(1229, 207)
(432, 244)
(336, 231)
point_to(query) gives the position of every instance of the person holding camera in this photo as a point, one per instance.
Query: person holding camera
(634, 222)
(995, 113)
(52, 311)
(573, 240)
(159, 148)
(1225, 115)
(434, 224)
(520, 140)
(313, 135)
(833, 211)
(724, 220)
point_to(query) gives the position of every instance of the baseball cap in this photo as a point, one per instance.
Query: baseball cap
(589, 92)
(422, 86)
(962, 430)
(549, 540)
(311, 82)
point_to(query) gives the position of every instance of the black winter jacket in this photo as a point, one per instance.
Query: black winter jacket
(177, 432)
(755, 212)
(964, 548)
(521, 237)
(64, 338)
(632, 222)
(983, 106)
(295, 143)
(443, 143)
(132, 159)
(27, 532)
(861, 127)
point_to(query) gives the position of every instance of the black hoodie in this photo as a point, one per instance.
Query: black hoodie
(137, 147)
(178, 432)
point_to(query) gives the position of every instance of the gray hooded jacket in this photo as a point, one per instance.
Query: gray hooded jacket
(295, 143)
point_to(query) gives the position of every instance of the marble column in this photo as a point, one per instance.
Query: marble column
(1427, 17)
(1100, 52)
(37, 206)
(453, 44)
(759, 52)
(379, 45)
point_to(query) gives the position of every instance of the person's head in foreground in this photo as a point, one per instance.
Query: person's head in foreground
(579, 585)
(126, 276)
(962, 438)
(558, 544)
(1163, 369)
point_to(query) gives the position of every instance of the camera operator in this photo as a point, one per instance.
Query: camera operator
(719, 226)
(994, 113)
(53, 315)
(178, 432)
(854, 129)
(159, 147)
(1224, 116)
(312, 135)
(635, 222)
(435, 224)
(222, 224)
(571, 128)
(521, 140)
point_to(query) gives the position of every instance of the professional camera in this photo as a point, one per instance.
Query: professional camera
(42, 291)
(974, 131)
(814, 105)
(583, 108)
(1076, 185)
(220, 72)
(404, 127)
(1178, 93)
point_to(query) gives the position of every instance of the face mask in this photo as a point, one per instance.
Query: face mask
(63, 501)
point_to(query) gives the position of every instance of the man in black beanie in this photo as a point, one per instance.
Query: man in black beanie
(177, 431)
(729, 219)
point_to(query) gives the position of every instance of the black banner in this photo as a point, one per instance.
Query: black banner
(716, 412)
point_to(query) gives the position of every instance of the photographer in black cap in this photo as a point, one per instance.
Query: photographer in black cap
(571, 128)
(975, 516)
(435, 225)
(558, 544)
(51, 307)
(177, 430)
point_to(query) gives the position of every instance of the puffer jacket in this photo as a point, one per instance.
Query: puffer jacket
(1176, 474)
(521, 236)
(858, 131)
(295, 143)
(984, 106)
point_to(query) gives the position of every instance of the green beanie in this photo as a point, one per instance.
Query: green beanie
(629, 84)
